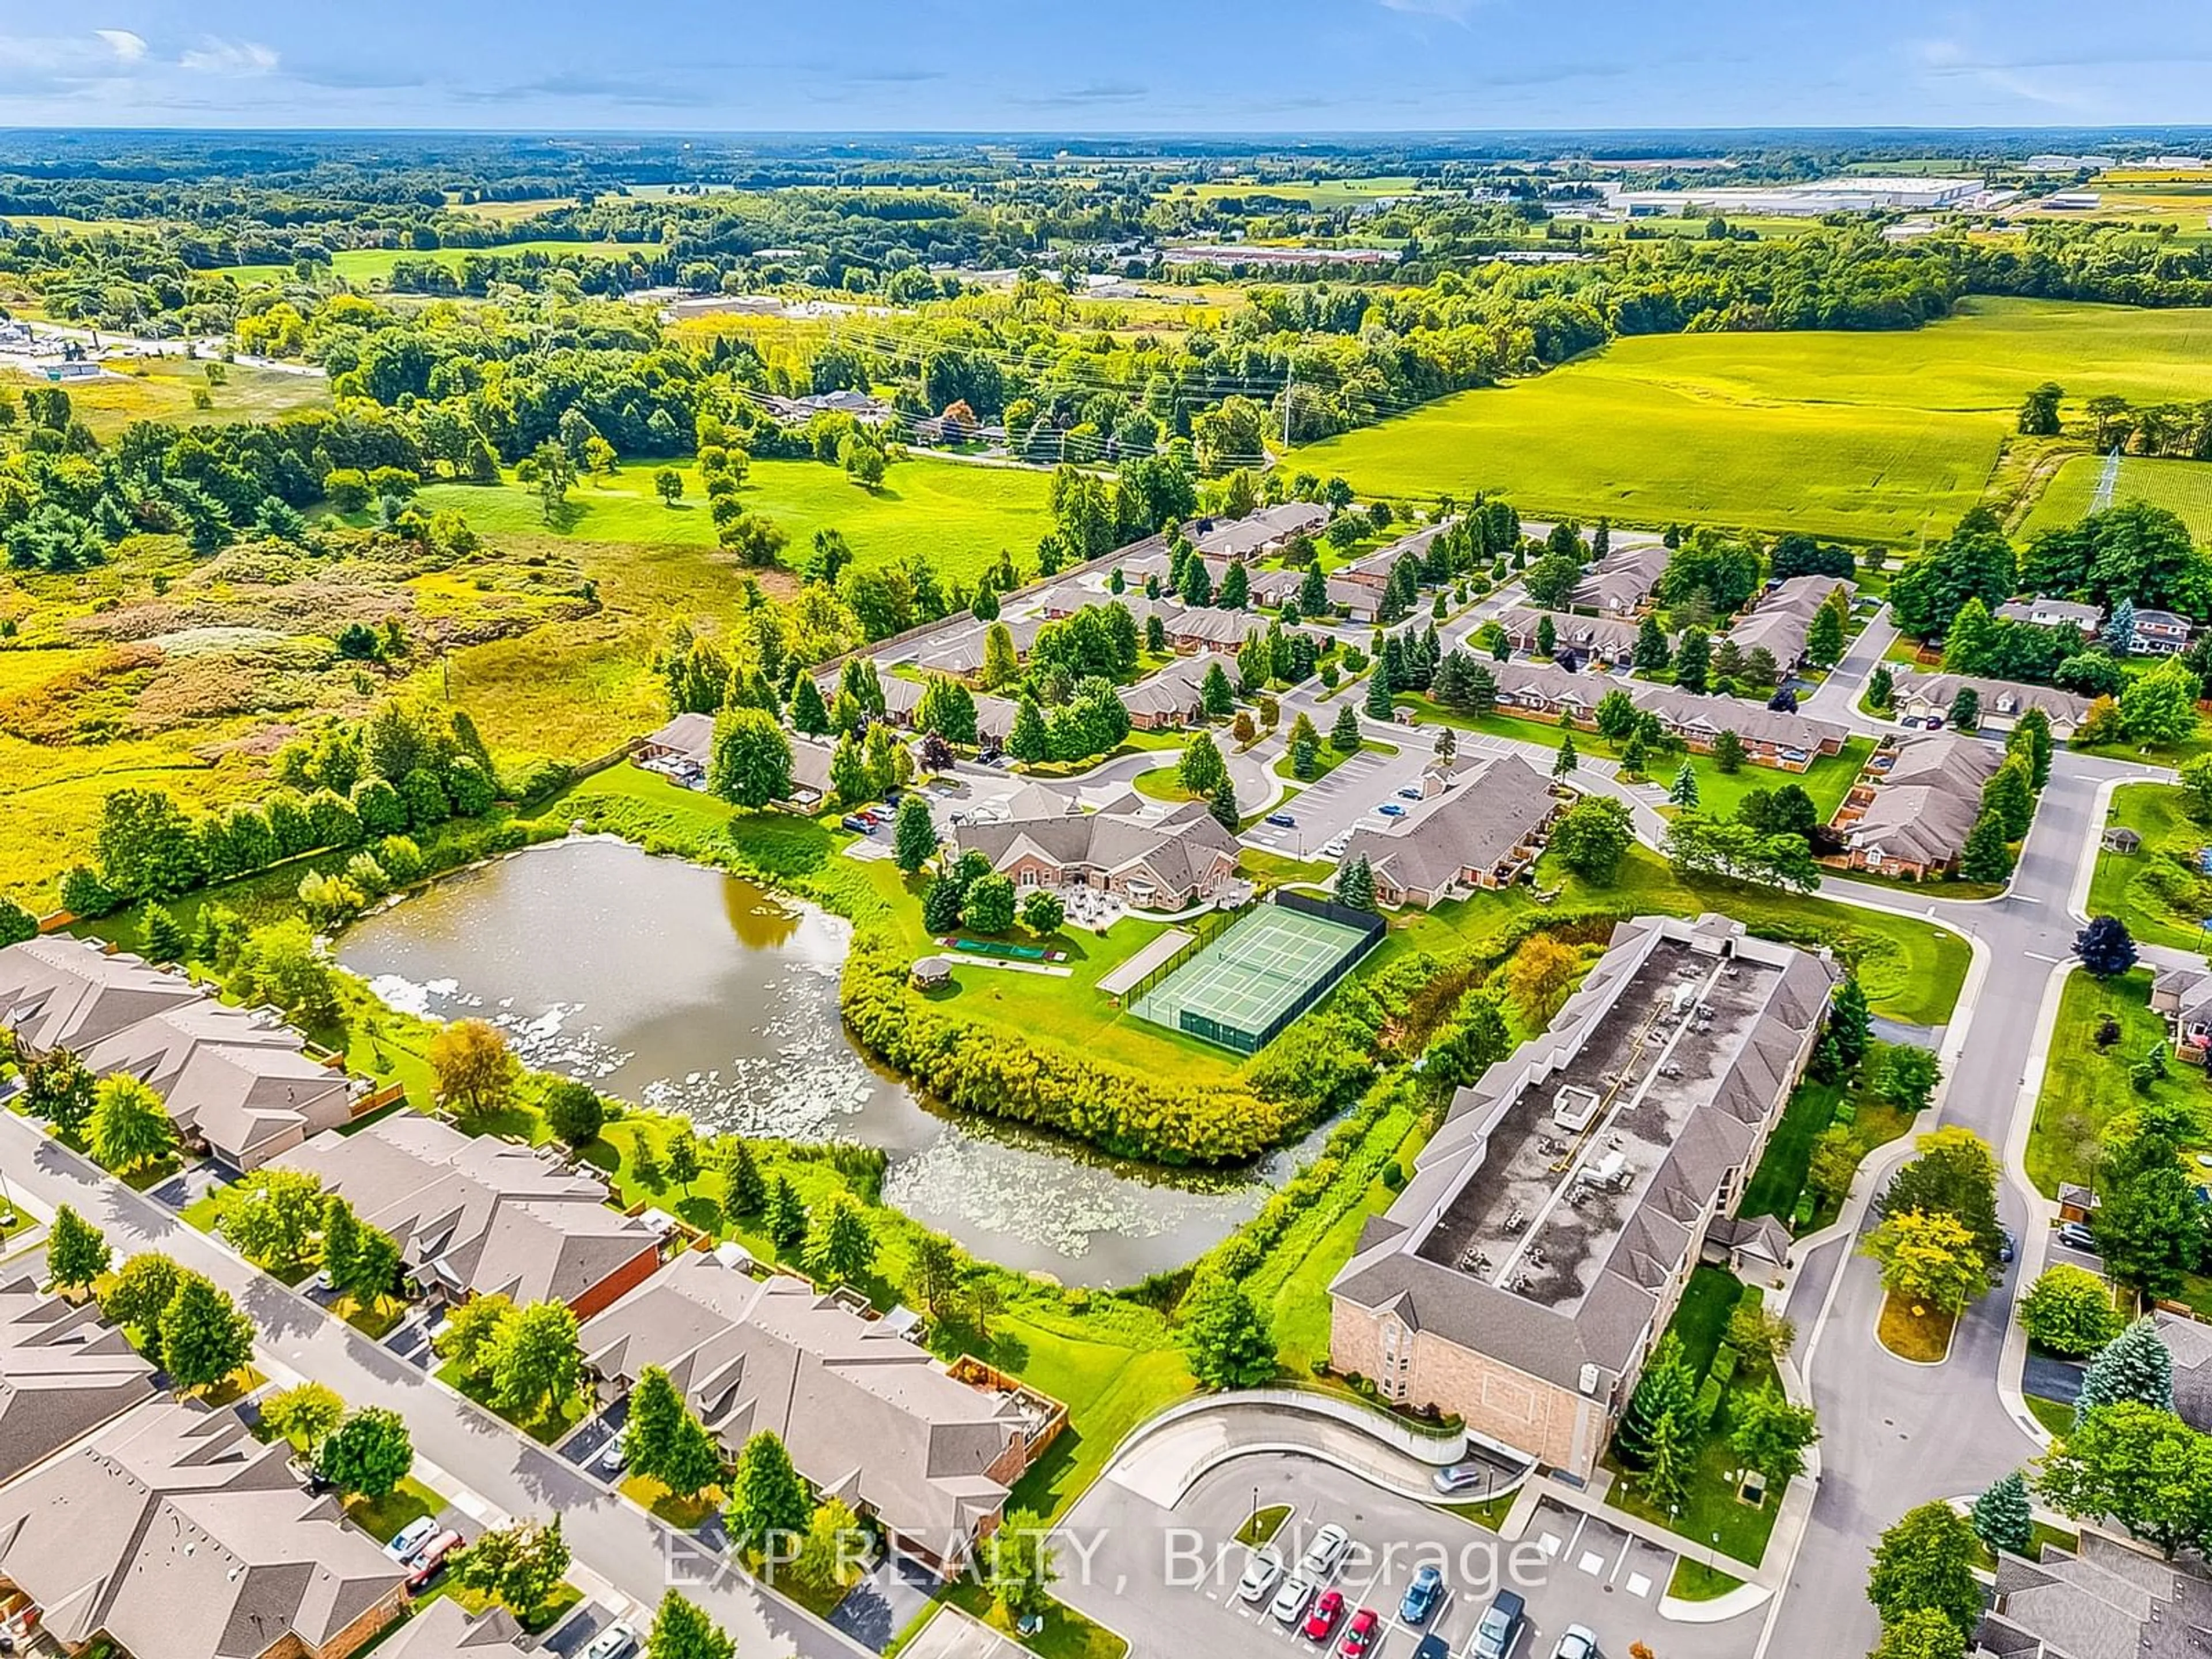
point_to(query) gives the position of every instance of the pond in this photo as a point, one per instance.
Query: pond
(677, 986)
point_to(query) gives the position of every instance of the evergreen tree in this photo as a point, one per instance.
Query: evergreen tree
(808, 711)
(1965, 712)
(656, 1412)
(786, 1220)
(1987, 856)
(1652, 652)
(1378, 692)
(2003, 1519)
(2104, 947)
(914, 835)
(941, 906)
(2011, 796)
(2032, 738)
(1881, 688)
(1030, 740)
(1851, 1022)
(1728, 754)
(1693, 660)
(1824, 638)
(1670, 1452)
(1221, 802)
(744, 1192)
(164, 939)
(1667, 1387)
(1215, 695)
(1564, 763)
(767, 1501)
(840, 1244)
(1355, 885)
(1683, 792)
(2134, 1366)
(1344, 736)
(1236, 588)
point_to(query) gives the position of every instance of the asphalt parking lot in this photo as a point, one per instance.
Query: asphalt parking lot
(1167, 1580)
(1345, 800)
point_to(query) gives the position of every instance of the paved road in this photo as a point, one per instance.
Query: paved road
(1166, 1579)
(614, 1539)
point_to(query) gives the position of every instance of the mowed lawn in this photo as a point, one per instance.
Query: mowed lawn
(1877, 435)
(960, 516)
(160, 389)
(2180, 487)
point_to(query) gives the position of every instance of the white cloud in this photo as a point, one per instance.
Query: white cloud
(127, 45)
(217, 57)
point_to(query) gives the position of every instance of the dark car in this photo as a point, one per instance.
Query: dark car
(857, 824)
(1500, 1627)
(1421, 1596)
(2076, 1236)
(1282, 820)
(1432, 1646)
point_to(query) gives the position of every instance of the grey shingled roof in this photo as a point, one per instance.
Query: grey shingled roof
(2005, 697)
(445, 1629)
(483, 1216)
(63, 1371)
(58, 992)
(865, 1414)
(1177, 851)
(2103, 1600)
(1490, 809)
(1624, 577)
(1607, 1326)
(180, 1535)
(1241, 538)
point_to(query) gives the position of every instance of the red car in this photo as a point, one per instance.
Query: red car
(1359, 1634)
(1325, 1611)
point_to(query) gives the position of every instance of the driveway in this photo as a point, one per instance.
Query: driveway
(590, 1436)
(885, 1602)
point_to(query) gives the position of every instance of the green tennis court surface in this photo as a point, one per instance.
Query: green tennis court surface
(1237, 991)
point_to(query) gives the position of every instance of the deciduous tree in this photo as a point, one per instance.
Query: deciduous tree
(78, 1252)
(368, 1455)
(130, 1129)
(1226, 1336)
(476, 1071)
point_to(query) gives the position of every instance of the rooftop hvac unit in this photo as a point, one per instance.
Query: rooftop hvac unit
(1574, 1109)
(1591, 1379)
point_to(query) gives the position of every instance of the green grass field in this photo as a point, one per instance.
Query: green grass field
(960, 516)
(374, 265)
(1880, 436)
(2182, 487)
(2087, 1086)
(2157, 891)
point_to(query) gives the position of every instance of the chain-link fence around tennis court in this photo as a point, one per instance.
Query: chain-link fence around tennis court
(1264, 969)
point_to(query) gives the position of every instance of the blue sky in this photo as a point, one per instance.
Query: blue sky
(1130, 65)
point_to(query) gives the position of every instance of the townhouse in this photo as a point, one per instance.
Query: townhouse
(239, 1083)
(1780, 621)
(1482, 827)
(868, 1415)
(476, 1216)
(1167, 863)
(1911, 810)
(1918, 696)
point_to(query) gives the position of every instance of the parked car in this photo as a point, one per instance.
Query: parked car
(1432, 1646)
(2010, 1248)
(1359, 1634)
(2076, 1236)
(1409, 792)
(1327, 1549)
(1390, 809)
(856, 823)
(1261, 1572)
(614, 1642)
(612, 1455)
(1282, 820)
(411, 1537)
(1421, 1596)
(1290, 1603)
(1935, 722)
(1500, 1627)
(1580, 1641)
(1325, 1611)
(1463, 1477)
(431, 1558)
(1333, 848)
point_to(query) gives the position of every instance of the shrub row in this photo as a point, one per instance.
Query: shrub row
(976, 1068)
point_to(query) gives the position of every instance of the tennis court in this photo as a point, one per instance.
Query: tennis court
(1264, 971)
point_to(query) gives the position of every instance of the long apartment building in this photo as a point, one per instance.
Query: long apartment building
(1525, 1271)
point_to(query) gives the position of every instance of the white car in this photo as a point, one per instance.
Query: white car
(612, 1642)
(1327, 1549)
(611, 1456)
(411, 1537)
(1261, 1572)
(1579, 1643)
(1335, 848)
(1290, 1603)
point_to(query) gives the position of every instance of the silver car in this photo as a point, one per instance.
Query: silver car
(1580, 1641)
(1327, 1549)
(1290, 1603)
(1261, 1572)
